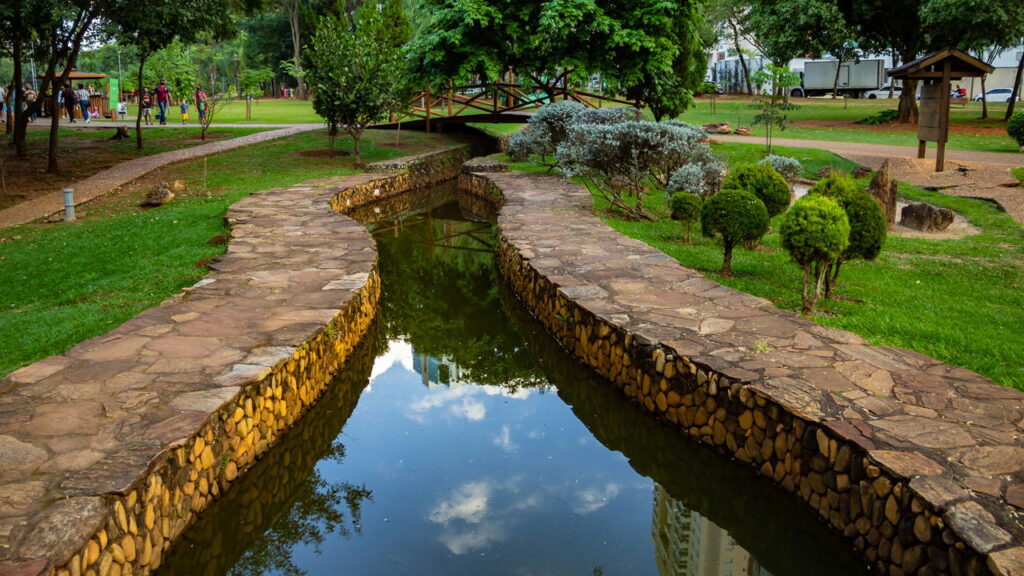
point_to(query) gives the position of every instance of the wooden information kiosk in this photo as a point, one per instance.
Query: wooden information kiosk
(936, 71)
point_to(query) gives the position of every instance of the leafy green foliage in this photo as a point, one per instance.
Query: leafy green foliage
(879, 118)
(868, 228)
(762, 181)
(834, 186)
(354, 68)
(815, 232)
(788, 29)
(1015, 127)
(686, 209)
(1018, 173)
(737, 216)
(773, 102)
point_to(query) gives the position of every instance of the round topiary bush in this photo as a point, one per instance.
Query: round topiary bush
(737, 216)
(815, 232)
(788, 168)
(868, 227)
(686, 209)
(767, 184)
(834, 186)
(1015, 127)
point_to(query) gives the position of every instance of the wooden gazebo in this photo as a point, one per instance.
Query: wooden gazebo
(937, 70)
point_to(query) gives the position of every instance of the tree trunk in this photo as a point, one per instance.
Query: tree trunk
(807, 296)
(18, 96)
(138, 117)
(739, 52)
(51, 159)
(908, 111)
(984, 101)
(835, 83)
(1016, 88)
(727, 261)
(293, 22)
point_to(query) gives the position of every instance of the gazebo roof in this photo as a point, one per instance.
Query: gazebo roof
(962, 65)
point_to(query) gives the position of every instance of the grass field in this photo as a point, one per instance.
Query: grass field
(816, 119)
(68, 282)
(960, 301)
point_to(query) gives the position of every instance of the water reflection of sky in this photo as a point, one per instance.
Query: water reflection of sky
(482, 480)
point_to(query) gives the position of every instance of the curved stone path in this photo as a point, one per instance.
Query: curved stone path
(942, 454)
(107, 180)
(107, 450)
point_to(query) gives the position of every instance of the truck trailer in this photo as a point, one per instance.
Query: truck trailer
(819, 78)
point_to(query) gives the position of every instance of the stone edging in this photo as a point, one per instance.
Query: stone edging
(914, 462)
(111, 450)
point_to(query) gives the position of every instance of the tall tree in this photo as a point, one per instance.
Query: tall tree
(731, 17)
(355, 70)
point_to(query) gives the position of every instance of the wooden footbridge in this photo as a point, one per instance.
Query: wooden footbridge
(498, 102)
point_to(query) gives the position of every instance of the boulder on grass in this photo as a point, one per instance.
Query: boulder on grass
(926, 218)
(717, 128)
(743, 132)
(178, 186)
(160, 194)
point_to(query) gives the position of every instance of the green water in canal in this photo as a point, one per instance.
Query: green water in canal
(460, 439)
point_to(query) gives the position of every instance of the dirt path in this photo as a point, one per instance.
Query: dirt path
(123, 173)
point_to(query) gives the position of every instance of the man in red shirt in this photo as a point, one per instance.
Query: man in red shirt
(163, 97)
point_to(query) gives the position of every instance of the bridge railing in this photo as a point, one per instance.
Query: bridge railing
(495, 99)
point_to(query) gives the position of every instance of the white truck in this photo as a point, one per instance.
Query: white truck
(819, 78)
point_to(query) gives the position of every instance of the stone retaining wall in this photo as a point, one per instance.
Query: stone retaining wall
(111, 450)
(878, 441)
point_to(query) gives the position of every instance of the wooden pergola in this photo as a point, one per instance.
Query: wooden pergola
(937, 70)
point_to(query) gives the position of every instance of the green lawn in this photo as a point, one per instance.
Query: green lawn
(738, 112)
(269, 111)
(69, 282)
(960, 301)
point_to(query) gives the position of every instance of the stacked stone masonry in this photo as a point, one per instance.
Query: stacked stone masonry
(918, 464)
(111, 450)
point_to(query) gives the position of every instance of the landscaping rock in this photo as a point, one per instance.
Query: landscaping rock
(160, 195)
(484, 164)
(826, 171)
(926, 217)
(717, 128)
(883, 189)
(743, 132)
(861, 172)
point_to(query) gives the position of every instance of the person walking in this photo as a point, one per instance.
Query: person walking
(201, 103)
(70, 101)
(83, 102)
(184, 111)
(146, 101)
(3, 104)
(163, 98)
(30, 99)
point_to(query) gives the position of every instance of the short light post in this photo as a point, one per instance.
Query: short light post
(69, 204)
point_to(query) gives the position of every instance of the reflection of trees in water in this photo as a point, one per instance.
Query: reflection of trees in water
(284, 502)
(776, 529)
(440, 292)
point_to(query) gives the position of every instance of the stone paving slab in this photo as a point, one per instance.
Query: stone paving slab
(78, 428)
(125, 172)
(955, 433)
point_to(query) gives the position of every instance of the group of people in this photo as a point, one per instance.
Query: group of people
(161, 96)
(9, 104)
(74, 99)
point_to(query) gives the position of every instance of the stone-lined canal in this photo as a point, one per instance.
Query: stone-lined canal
(460, 439)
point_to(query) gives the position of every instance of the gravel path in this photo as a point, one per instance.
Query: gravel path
(107, 180)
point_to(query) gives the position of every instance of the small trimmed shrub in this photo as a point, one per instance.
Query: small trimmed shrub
(1018, 173)
(1015, 127)
(788, 168)
(868, 228)
(882, 117)
(737, 216)
(703, 176)
(686, 209)
(815, 232)
(834, 185)
(763, 182)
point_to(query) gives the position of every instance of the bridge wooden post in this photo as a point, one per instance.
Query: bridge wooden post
(428, 106)
(451, 97)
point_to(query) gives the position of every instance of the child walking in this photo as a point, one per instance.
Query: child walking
(147, 107)
(184, 111)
